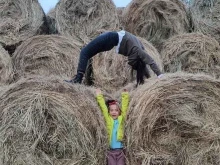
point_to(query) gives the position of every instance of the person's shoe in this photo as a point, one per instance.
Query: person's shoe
(77, 79)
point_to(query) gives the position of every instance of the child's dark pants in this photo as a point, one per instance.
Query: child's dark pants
(115, 157)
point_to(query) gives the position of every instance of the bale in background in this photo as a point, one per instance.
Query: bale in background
(205, 16)
(47, 55)
(45, 120)
(156, 20)
(51, 21)
(111, 71)
(6, 70)
(193, 52)
(175, 120)
(120, 13)
(20, 20)
(83, 18)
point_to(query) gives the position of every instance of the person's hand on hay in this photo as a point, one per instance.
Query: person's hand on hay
(160, 76)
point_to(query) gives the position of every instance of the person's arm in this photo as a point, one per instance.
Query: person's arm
(125, 98)
(149, 61)
(101, 101)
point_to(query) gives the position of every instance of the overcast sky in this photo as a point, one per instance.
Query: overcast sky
(49, 4)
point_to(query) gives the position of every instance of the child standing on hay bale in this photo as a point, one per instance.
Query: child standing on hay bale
(114, 118)
(126, 44)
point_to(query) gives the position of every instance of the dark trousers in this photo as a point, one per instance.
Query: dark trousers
(115, 157)
(103, 42)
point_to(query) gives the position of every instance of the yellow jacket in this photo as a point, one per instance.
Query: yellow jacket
(109, 120)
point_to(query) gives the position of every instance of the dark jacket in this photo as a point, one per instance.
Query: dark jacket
(132, 48)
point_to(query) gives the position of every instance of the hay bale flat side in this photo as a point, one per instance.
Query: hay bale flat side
(175, 120)
(205, 17)
(83, 18)
(193, 52)
(47, 55)
(112, 72)
(156, 20)
(20, 20)
(44, 119)
(6, 70)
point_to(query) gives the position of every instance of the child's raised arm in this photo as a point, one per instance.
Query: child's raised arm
(101, 101)
(125, 98)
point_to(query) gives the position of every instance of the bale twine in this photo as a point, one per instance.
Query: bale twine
(205, 16)
(193, 52)
(6, 70)
(51, 21)
(111, 71)
(47, 55)
(175, 120)
(83, 18)
(156, 20)
(20, 20)
(45, 120)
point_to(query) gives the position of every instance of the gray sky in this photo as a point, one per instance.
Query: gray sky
(49, 4)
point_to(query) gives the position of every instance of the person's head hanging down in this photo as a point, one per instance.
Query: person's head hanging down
(126, 44)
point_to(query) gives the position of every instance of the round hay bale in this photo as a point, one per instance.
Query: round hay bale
(120, 13)
(20, 20)
(192, 52)
(51, 21)
(6, 70)
(175, 120)
(83, 18)
(47, 55)
(111, 71)
(46, 119)
(156, 20)
(205, 17)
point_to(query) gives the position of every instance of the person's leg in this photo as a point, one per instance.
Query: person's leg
(111, 158)
(120, 158)
(103, 42)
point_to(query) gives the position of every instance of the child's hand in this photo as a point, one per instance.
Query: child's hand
(98, 91)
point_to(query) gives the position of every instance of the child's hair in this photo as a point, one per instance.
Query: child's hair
(111, 102)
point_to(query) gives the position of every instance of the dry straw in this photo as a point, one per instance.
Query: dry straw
(175, 120)
(120, 11)
(20, 20)
(83, 18)
(47, 55)
(6, 70)
(45, 120)
(205, 16)
(111, 71)
(156, 20)
(193, 52)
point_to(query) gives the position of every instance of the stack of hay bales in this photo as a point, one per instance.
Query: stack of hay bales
(205, 16)
(111, 71)
(156, 20)
(47, 55)
(20, 20)
(6, 70)
(192, 52)
(82, 19)
(45, 120)
(175, 120)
